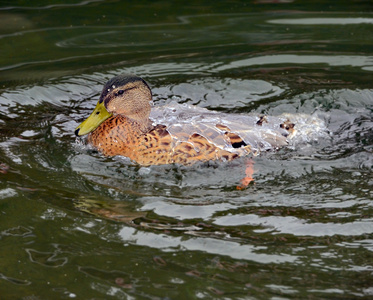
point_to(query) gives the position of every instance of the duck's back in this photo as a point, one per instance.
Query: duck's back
(236, 133)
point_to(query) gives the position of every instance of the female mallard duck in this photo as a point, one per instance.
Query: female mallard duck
(123, 123)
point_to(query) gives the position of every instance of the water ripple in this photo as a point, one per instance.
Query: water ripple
(212, 246)
(47, 7)
(295, 226)
(322, 21)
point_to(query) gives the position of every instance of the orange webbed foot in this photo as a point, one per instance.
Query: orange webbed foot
(249, 172)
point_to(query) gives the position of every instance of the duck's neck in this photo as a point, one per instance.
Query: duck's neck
(142, 125)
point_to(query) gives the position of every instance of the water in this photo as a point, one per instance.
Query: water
(75, 224)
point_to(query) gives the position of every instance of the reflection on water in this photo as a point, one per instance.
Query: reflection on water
(76, 224)
(221, 246)
(353, 61)
(322, 21)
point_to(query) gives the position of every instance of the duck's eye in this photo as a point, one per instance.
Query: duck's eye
(120, 92)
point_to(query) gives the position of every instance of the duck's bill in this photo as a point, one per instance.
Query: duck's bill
(99, 115)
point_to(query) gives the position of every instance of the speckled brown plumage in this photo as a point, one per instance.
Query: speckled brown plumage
(119, 135)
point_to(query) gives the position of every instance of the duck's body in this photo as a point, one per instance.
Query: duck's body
(123, 124)
(120, 136)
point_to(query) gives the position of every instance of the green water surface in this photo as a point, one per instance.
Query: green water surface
(75, 224)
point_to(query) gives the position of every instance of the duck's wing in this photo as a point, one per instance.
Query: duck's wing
(227, 131)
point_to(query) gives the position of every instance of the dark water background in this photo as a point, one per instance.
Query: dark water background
(74, 224)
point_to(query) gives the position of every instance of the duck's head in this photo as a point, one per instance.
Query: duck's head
(127, 95)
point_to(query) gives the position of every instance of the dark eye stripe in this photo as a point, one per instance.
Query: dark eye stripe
(131, 88)
(120, 92)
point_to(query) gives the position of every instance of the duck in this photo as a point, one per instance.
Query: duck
(125, 123)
